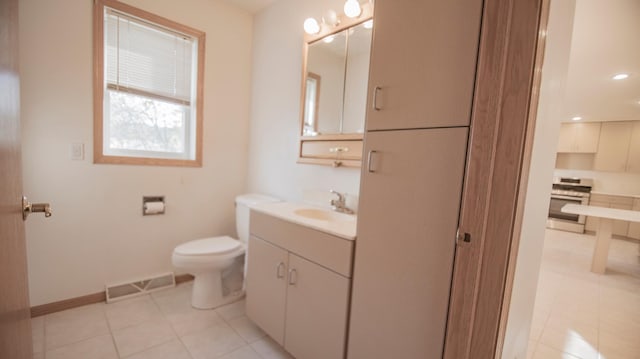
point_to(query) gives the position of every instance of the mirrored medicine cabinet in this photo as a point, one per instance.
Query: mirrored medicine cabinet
(334, 92)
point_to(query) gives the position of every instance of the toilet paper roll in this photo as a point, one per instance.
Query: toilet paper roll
(153, 207)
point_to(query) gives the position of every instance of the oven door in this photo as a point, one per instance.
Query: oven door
(558, 201)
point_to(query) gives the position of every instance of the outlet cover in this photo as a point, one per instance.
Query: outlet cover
(77, 151)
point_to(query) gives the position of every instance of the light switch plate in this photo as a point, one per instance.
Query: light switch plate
(77, 151)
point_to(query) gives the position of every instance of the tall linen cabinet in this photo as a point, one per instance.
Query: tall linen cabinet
(421, 82)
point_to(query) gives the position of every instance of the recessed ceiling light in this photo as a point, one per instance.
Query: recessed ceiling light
(576, 118)
(620, 76)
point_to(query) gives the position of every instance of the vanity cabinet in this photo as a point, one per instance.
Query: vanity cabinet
(423, 63)
(613, 150)
(579, 137)
(298, 286)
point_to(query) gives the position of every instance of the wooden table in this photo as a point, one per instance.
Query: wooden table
(603, 232)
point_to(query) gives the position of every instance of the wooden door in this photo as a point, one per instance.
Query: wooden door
(266, 287)
(15, 323)
(613, 148)
(409, 207)
(317, 302)
(423, 63)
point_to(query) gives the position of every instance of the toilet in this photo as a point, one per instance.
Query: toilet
(206, 259)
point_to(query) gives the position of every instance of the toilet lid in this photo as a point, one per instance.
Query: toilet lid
(208, 246)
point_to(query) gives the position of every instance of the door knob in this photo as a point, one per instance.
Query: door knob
(28, 208)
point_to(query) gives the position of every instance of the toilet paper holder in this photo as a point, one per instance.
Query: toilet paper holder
(152, 205)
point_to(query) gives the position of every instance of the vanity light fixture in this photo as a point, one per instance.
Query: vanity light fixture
(352, 8)
(620, 76)
(311, 26)
(576, 118)
(368, 24)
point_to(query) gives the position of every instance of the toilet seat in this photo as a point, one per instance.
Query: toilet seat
(208, 246)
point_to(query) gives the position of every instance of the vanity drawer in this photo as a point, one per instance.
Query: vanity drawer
(324, 249)
(350, 150)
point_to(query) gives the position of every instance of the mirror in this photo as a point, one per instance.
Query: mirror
(335, 88)
(334, 92)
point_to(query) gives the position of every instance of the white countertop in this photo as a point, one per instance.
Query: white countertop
(340, 224)
(594, 211)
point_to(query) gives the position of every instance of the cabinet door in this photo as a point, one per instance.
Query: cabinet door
(317, 301)
(587, 136)
(614, 147)
(266, 287)
(409, 209)
(566, 139)
(423, 63)
(634, 227)
(633, 163)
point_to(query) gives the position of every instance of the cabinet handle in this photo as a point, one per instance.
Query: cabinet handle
(279, 273)
(375, 98)
(293, 276)
(369, 160)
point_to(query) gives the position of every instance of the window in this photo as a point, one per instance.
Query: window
(147, 88)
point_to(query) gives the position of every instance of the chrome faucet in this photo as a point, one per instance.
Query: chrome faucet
(339, 205)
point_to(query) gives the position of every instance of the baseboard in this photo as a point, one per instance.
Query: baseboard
(71, 303)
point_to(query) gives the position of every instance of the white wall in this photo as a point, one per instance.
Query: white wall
(97, 234)
(550, 111)
(275, 110)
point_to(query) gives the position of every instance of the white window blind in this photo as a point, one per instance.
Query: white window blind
(148, 60)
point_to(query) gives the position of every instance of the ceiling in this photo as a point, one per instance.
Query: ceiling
(604, 43)
(253, 6)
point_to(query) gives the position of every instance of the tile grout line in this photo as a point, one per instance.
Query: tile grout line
(164, 315)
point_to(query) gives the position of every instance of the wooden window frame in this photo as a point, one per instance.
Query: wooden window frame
(98, 86)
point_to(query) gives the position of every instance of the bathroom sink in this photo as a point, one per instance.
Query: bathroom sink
(322, 214)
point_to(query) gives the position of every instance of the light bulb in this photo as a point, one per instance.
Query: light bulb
(311, 26)
(576, 118)
(352, 8)
(330, 18)
(620, 76)
(368, 24)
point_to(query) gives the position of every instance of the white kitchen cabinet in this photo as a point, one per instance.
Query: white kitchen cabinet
(298, 286)
(423, 63)
(620, 228)
(634, 227)
(579, 137)
(613, 149)
(633, 161)
(409, 207)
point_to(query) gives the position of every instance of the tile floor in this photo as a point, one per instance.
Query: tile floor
(161, 325)
(580, 314)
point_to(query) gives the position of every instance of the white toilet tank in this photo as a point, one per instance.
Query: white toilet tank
(242, 212)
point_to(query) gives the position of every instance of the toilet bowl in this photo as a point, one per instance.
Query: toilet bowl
(207, 258)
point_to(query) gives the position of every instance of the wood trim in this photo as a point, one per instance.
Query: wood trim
(59, 306)
(524, 176)
(494, 174)
(98, 85)
(71, 303)
(182, 278)
(344, 137)
(330, 162)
